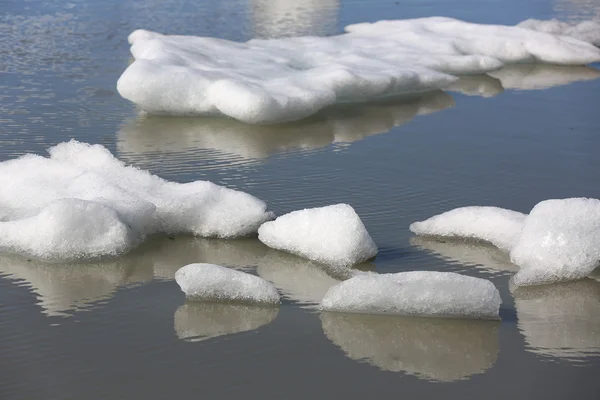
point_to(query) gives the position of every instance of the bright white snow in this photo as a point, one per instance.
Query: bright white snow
(275, 80)
(498, 226)
(332, 235)
(83, 203)
(560, 241)
(416, 293)
(216, 283)
(587, 31)
(441, 349)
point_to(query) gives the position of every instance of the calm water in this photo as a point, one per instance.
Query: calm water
(124, 330)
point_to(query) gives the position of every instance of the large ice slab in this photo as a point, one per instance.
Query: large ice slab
(416, 293)
(497, 226)
(560, 320)
(216, 283)
(587, 31)
(83, 203)
(275, 80)
(560, 241)
(433, 349)
(332, 235)
(195, 322)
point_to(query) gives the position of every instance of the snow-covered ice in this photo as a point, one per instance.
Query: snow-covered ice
(433, 349)
(84, 203)
(495, 225)
(216, 283)
(275, 80)
(560, 241)
(560, 320)
(333, 235)
(194, 322)
(587, 31)
(416, 293)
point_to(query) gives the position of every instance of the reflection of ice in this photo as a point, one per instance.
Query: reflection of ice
(477, 85)
(435, 349)
(149, 140)
(480, 255)
(561, 320)
(296, 278)
(200, 321)
(62, 288)
(538, 76)
(281, 18)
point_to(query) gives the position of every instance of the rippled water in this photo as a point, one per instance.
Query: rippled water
(124, 330)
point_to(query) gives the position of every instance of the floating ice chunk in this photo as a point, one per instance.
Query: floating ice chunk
(587, 31)
(416, 293)
(88, 204)
(560, 241)
(433, 349)
(195, 322)
(332, 235)
(215, 283)
(68, 229)
(275, 80)
(561, 320)
(483, 256)
(498, 226)
(540, 76)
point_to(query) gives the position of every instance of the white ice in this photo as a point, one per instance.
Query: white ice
(332, 235)
(497, 226)
(416, 293)
(560, 241)
(433, 349)
(194, 321)
(275, 80)
(216, 283)
(83, 203)
(561, 320)
(587, 31)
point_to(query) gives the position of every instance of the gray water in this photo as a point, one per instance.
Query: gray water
(123, 329)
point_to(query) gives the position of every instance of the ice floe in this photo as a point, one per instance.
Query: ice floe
(275, 80)
(495, 225)
(83, 203)
(415, 293)
(209, 282)
(227, 142)
(560, 320)
(587, 31)
(433, 349)
(194, 322)
(332, 235)
(560, 241)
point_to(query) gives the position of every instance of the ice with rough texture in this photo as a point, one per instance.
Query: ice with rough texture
(434, 349)
(83, 203)
(194, 322)
(416, 293)
(560, 320)
(216, 283)
(497, 226)
(560, 241)
(587, 31)
(333, 235)
(275, 80)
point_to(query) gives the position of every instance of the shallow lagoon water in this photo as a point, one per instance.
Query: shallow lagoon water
(124, 329)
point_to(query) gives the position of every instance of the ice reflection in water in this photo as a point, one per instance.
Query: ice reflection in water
(432, 349)
(162, 141)
(539, 76)
(468, 253)
(561, 320)
(200, 321)
(64, 288)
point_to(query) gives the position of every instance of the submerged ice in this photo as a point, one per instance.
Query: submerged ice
(416, 293)
(83, 203)
(275, 80)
